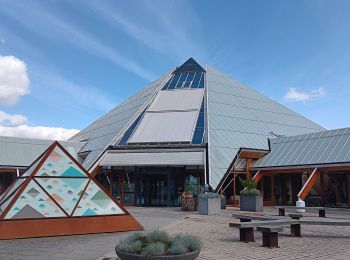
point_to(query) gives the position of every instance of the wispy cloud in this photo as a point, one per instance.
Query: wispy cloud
(302, 96)
(43, 21)
(49, 86)
(160, 28)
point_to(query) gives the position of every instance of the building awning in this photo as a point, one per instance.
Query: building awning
(310, 150)
(153, 158)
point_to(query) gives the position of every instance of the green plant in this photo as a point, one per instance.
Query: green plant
(249, 187)
(159, 236)
(191, 243)
(159, 243)
(154, 249)
(177, 248)
(209, 195)
(134, 247)
(254, 192)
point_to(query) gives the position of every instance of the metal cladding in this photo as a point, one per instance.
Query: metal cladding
(194, 106)
(321, 148)
(101, 133)
(21, 152)
(239, 116)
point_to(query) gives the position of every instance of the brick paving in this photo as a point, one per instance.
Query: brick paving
(222, 242)
(85, 247)
(219, 240)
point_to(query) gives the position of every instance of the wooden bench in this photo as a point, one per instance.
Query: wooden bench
(295, 229)
(246, 229)
(321, 210)
(249, 218)
(325, 223)
(270, 235)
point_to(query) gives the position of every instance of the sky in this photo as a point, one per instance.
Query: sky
(63, 63)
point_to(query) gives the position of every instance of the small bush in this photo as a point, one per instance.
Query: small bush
(158, 243)
(254, 192)
(159, 236)
(134, 247)
(191, 243)
(177, 249)
(154, 249)
(209, 195)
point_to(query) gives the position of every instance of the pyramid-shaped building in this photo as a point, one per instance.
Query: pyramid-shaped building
(186, 128)
(57, 196)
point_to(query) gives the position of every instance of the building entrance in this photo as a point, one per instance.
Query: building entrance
(155, 187)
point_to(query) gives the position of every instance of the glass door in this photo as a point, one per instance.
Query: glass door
(155, 189)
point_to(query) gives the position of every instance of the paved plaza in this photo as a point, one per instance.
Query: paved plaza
(219, 240)
(89, 247)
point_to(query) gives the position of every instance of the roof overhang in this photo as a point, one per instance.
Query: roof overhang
(328, 167)
(153, 157)
(250, 153)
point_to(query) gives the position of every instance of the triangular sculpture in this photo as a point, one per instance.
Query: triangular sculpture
(57, 196)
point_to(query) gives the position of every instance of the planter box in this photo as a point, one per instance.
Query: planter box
(209, 206)
(127, 256)
(251, 202)
(223, 203)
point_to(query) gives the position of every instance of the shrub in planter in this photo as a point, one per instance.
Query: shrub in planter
(209, 204)
(158, 245)
(250, 198)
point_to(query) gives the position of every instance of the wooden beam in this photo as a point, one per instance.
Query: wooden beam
(248, 167)
(257, 177)
(309, 184)
(96, 171)
(303, 169)
(348, 186)
(251, 154)
(322, 189)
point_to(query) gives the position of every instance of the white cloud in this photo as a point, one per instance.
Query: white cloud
(12, 120)
(302, 96)
(14, 81)
(16, 126)
(38, 132)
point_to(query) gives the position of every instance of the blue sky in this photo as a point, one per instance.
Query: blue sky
(81, 58)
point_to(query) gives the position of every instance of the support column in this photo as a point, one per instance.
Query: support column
(322, 189)
(111, 179)
(348, 188)
(122, 179)
(273, 189)
(249, 163)
(308, 185)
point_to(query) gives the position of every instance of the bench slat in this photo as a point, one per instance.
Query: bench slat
(263, 223)
(270, 229)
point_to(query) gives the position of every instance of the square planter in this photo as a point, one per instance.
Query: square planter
(251, 202)
(223, 202)
(209, 206)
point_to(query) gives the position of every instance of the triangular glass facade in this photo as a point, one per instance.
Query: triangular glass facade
(55, 186)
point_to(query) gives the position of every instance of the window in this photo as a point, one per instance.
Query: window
(185, 80)
(130, 130)
(199, 130)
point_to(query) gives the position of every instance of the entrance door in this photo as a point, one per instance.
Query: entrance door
(155, 189)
